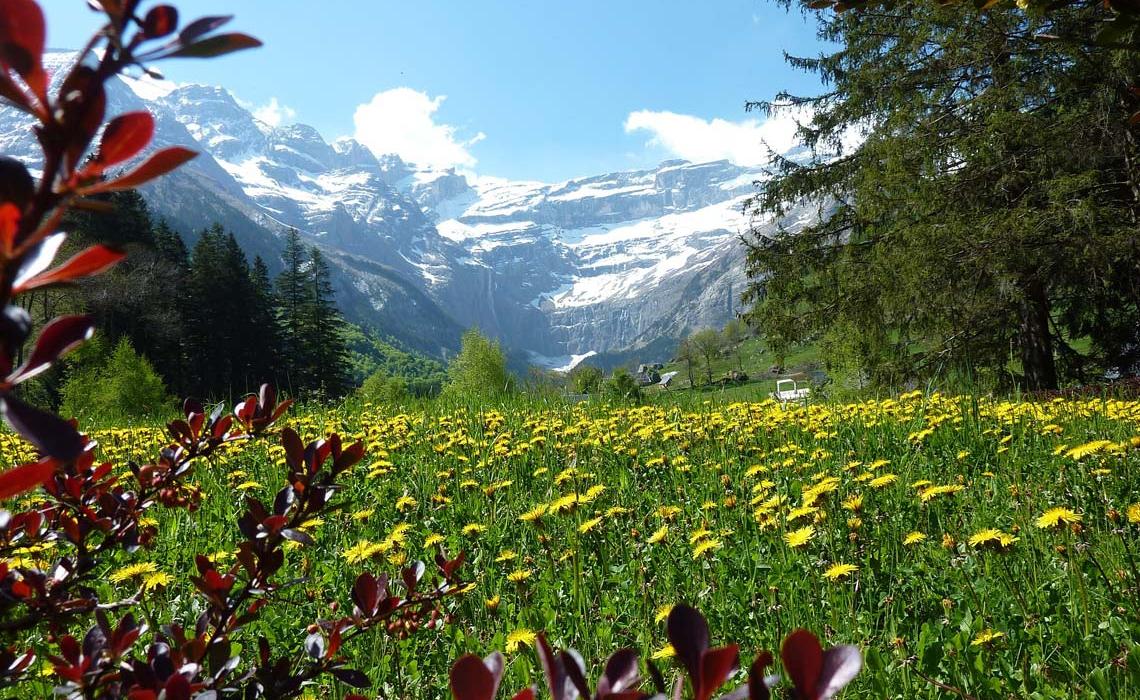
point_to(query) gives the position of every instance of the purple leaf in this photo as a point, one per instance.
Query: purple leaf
(689, 634)
(50, 434)
(840, 665)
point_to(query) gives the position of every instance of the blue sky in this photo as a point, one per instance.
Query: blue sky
(540, 90)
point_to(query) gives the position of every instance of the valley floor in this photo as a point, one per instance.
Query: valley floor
(988, 545)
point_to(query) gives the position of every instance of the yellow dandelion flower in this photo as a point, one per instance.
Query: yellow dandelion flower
(801, 512)
(931, 492)
(533, 514)
(506, 555)
(492, 603)
(663, 612)
(590, 525)
(838, 571)
(405, 502)
(699, 534)
(247, 485)
(133, 571)
(854, 503)
(913, 538)
(363, 514)
(519, 639)
(1134, 513)
(432, 540)
(361, 551)
(665, 652)
(593, 492)
(474, 529)
(986, 636)
(992, 538)
(667, 512)
(659, 535)
(519, 575)
(800, 537)
(157, 580)
(883, 481)
(705, 546)
(1057, 517)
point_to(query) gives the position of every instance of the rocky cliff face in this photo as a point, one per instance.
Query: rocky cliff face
(594, 264)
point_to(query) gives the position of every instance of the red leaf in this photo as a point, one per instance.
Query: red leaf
(716, 665)
(22, 42)
(57, 337)
(471, 679)
(81, 107)
(177, 687)
(160, 21)
(294, 449)
(157, 165)
(757, 687)
(202, 25)
(124, 137)
(217, 46)
(9, 227)
(86, 263)
(14, 95)
(803, 661)
(25, 478)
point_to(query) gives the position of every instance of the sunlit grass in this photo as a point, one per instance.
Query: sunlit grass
(988, 545)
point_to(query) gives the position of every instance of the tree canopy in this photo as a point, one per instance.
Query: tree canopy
(978, 192)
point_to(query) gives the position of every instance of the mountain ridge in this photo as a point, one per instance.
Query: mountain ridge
(558, 271)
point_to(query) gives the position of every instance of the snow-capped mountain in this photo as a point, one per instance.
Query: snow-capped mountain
(560, 271)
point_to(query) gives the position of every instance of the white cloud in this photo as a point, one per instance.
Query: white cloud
(274, 113)
(402, 121)
(701, 140)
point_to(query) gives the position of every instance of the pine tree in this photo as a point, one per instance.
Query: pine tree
(990, 209)
(327, 348)
(293, 298)
(265, 335)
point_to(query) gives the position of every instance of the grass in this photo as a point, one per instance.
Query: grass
(706, 501)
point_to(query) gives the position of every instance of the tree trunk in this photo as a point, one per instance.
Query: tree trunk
(1036, 341)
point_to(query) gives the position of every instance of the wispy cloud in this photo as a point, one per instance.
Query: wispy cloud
(402, 121)
(699, 140)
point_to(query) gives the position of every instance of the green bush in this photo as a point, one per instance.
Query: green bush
(380, 388)
(621, 385)
(120, 385)
(479, 371)
(585, 379)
